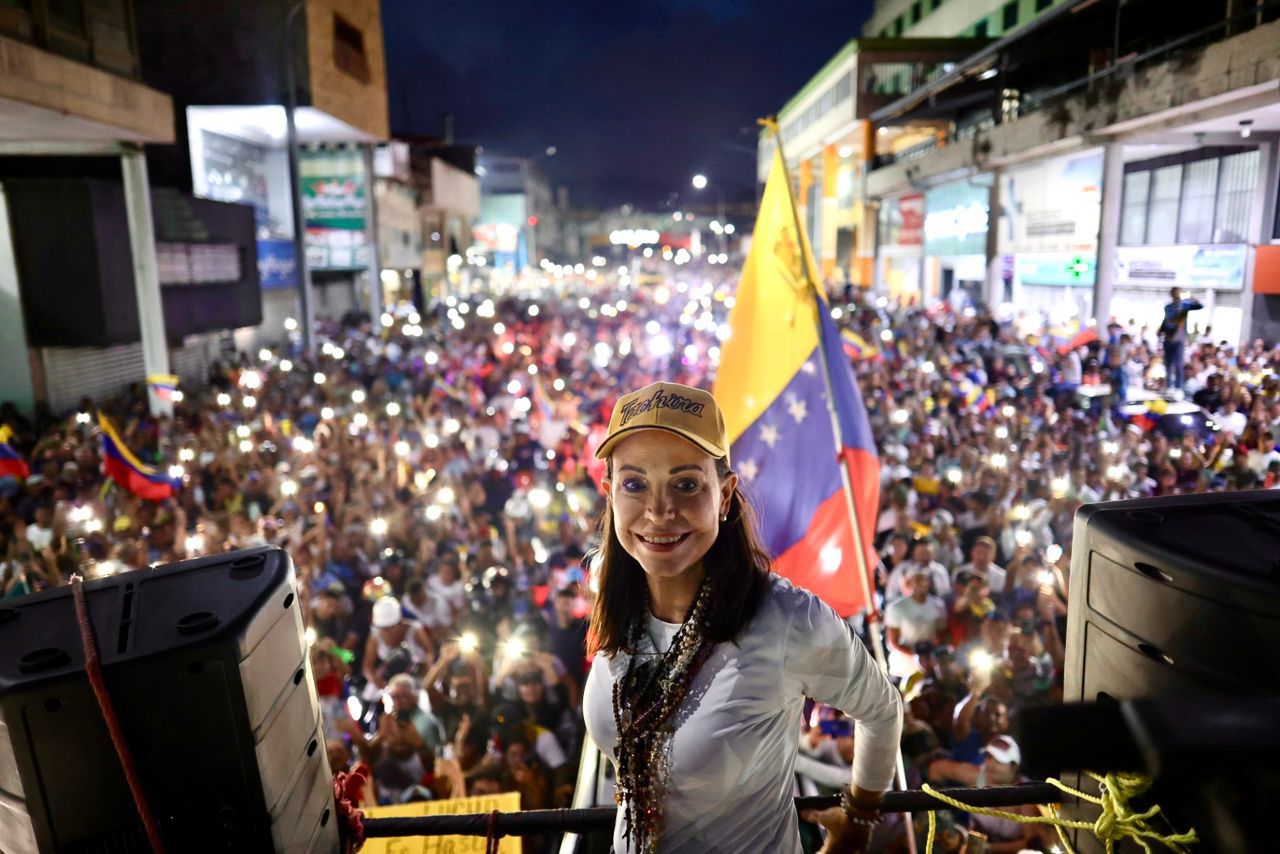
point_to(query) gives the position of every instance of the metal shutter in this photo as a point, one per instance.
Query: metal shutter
(96, 372)
(100, 373)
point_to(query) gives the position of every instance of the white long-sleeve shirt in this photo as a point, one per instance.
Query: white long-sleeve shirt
(733, 755)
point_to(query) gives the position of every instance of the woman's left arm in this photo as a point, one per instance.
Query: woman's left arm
(833, 666)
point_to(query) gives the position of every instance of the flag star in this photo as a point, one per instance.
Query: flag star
(769, 435)
(808, 368)
(748, 469)
(799, 411)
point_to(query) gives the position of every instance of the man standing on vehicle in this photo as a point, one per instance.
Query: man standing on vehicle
(1173, 335)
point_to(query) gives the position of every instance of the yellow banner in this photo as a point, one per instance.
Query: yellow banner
(506, 802)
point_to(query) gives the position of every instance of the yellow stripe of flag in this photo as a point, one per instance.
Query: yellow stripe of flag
(773, 325)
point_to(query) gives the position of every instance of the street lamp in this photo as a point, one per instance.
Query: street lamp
(700, 183)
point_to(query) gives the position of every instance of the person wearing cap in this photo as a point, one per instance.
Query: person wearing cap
(1001, 759)
(391, 638)
(704, 657)
(910, 620)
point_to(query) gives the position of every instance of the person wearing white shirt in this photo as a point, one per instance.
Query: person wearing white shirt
(427, 607)
(913, 619)
(447, 584)
(921, 556)
(703, 657)
(40, 531)
(1230, 419)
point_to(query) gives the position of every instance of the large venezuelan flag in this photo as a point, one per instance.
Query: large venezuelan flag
(771, 387)
(128, 471)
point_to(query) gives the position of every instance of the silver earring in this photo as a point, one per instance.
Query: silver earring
(724, 518)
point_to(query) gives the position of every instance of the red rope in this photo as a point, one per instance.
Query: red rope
(93, 669)
(347, 789)
(491, 839)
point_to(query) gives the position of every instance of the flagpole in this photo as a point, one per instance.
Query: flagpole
(851, 507)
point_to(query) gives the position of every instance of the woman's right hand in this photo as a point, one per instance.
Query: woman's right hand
(843, 836)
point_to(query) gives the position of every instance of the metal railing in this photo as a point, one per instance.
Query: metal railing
(601, 819)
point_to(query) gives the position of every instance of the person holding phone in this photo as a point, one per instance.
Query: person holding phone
(704, 657)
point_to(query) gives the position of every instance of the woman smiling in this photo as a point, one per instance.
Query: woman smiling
(705, 657)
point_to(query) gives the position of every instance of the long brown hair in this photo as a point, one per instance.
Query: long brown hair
(737, 566)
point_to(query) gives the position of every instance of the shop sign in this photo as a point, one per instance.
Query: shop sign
(902, 221)
(277, 264)
(1054, 206)
(911, 209)
(337, 249)
(1058, 269)
(232, 170)
(1219, 267)
(335, 206)
(955, 221)
(496, 236)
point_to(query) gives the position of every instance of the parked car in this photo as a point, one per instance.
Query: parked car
(1173, 418)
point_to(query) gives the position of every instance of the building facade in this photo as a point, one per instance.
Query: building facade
(1112, 180)
(947, 18)
(520, 221)
(74, 117)
(830, 146)
(1081, 161)
(234, 71)
(449, 211)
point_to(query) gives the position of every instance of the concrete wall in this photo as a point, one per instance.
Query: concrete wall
(48, 91)
(454, 190)
(399, 227)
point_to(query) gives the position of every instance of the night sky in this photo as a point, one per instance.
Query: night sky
(637, 97)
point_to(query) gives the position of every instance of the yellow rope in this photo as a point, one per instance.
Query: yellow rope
(1116, 822)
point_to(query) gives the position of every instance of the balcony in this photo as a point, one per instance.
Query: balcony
(1086, 68)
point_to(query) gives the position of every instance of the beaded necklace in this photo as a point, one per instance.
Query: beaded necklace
(644, 704)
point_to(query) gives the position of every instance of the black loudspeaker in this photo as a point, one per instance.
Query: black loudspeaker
(1174, 604)
(1175, 596)
(207, 668)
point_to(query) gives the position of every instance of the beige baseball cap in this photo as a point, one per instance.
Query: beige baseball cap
(690, 413)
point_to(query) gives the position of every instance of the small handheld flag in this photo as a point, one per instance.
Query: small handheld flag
(164, 385)
(11, 462)
(119, 463)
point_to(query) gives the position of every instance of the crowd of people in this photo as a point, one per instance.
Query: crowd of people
(432, 478)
